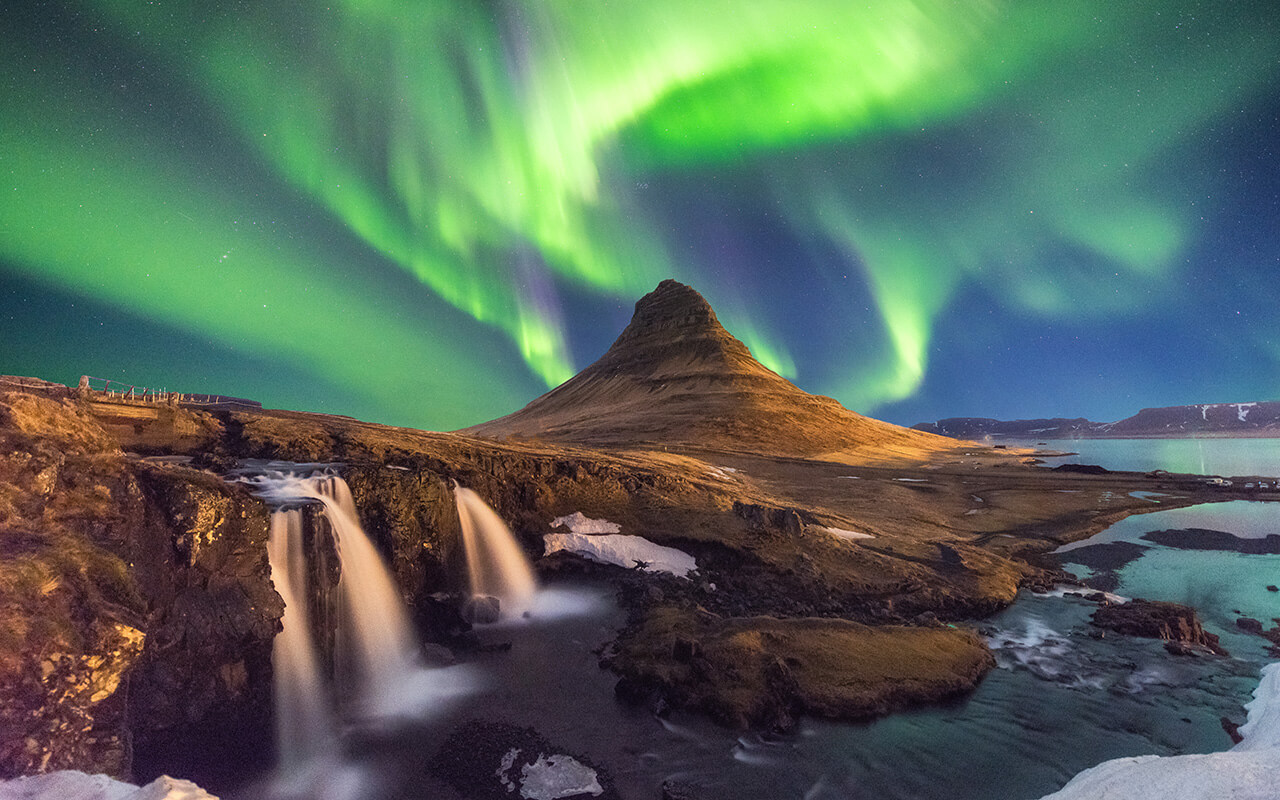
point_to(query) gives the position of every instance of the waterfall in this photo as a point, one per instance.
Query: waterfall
(496, 566)
(374, 630)
(303, 718)
(374, 633)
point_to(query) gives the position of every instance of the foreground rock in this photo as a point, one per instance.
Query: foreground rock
(73, 785)
(495, 761)
(1177, 625)
(764, 672)
(135, 603)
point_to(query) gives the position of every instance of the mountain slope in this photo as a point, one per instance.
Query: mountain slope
(675, 376)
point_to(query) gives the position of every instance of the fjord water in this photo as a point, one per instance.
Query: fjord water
(1199, 456)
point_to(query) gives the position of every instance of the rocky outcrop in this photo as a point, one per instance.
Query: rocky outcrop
(1177, 625)
(136, 612)
(764, 672)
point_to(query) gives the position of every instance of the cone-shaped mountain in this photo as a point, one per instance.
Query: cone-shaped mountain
(676, 377)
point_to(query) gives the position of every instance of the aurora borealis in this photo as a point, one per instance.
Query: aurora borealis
(427, 213)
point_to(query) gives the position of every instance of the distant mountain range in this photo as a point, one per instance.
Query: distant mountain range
(1257, 420)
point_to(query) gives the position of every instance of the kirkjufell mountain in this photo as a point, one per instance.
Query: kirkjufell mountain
(676, 377)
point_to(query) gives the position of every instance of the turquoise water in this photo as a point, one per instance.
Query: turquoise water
(1059, 702)
(1199, 456)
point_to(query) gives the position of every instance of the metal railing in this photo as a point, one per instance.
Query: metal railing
(121, 391)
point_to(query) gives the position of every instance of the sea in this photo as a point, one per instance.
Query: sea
(1199, 456)
(1059, 701)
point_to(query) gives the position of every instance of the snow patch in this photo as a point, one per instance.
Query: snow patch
(1242, 410)
(911, 480)
(577, 522)
(624, 551)
(1248, 771)
(553, 777)
(73, 785)
(844, 534)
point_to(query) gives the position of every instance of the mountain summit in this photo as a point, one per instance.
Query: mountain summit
(676, 377)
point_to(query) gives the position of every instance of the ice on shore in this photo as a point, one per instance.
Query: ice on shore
(577, 522)
(599, 540)
(1248, 771)
(624, 551)
(554, 777)
(73, 785)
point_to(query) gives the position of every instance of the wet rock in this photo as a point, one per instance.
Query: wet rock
(496, 761)
(1232, 730)
(481, 610)
(1249, 625)
(680, 790)
(1177, 625)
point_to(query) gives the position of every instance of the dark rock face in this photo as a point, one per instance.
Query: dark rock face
(135, 603)
(1177, 625)
(199, 692)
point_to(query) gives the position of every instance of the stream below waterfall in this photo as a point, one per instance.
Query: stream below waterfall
(1060, 701)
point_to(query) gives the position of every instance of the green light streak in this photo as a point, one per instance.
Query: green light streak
(495, 152)
(84, 213)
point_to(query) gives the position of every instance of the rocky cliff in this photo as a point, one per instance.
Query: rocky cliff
(136, 611)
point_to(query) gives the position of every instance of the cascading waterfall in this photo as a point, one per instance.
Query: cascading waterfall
(374, 633)
(496, 565)
(304, 721)
(374, 629)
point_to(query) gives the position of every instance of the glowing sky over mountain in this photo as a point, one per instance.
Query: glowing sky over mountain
(427, 213)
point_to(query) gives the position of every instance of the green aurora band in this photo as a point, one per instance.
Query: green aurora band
(501, 154)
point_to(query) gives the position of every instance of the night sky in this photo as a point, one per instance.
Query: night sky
(428, 212)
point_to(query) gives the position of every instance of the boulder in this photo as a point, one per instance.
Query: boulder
(482, 609)
(1177, 625)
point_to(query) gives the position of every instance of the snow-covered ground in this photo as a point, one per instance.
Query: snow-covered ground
(1248, 771)
(844, 534)
(72, 785)
(599, 540)
(577, 522)
(624, 551)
